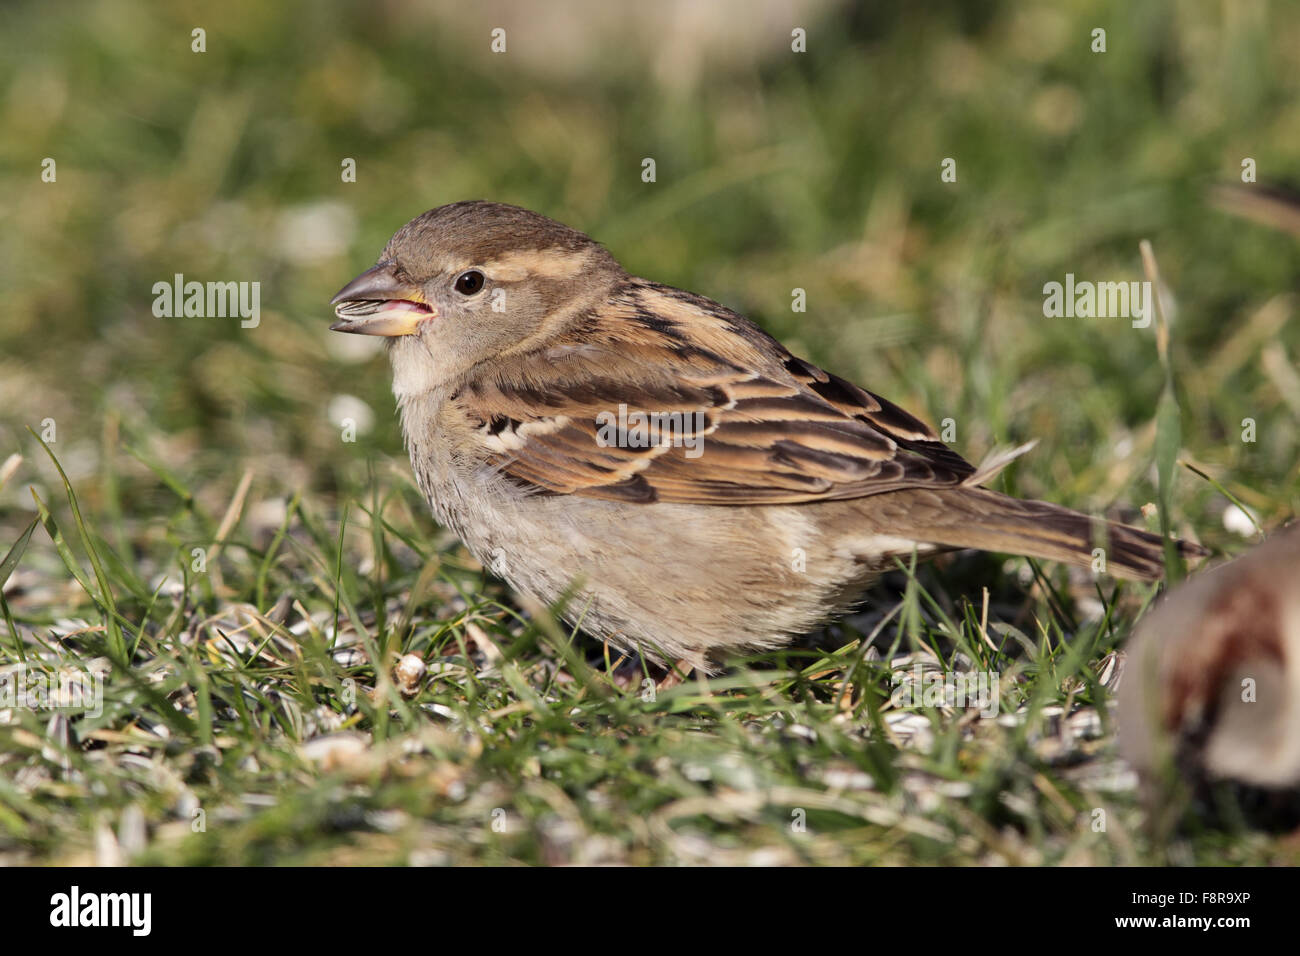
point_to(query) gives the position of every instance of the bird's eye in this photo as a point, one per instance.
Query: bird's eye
(467, 283)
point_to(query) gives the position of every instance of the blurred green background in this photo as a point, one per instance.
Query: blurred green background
(775, 170)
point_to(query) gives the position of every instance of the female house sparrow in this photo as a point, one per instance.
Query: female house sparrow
(524, 359)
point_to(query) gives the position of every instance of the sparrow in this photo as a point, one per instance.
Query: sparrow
(684, 483)
(1211, 681)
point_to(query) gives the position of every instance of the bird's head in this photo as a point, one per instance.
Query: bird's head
(471, 281)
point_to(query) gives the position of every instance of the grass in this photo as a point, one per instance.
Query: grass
(260, 731)
(184, 521)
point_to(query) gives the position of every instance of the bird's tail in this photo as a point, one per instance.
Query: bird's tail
(967, 517)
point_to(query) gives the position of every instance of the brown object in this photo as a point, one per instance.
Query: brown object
(705, 489)
(1212, 679)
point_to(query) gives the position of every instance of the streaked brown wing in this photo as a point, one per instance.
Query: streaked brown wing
(747, 422)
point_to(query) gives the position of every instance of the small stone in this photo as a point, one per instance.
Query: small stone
(409, 674)
(343, 751)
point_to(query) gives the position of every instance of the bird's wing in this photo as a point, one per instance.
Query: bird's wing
(668, 396)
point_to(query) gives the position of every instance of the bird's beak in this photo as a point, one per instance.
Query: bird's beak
(377, 302)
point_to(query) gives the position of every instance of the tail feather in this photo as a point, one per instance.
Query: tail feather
(968, 517)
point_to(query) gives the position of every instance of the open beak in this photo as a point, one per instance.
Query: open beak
(377, 302)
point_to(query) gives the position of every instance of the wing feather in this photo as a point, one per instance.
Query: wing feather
(746, 422)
